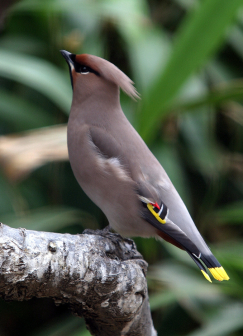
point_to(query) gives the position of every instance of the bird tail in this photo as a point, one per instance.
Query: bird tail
(212, 264)
(170, 232)
(200, 266)
(214, 267)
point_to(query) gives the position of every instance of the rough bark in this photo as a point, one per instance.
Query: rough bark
(100, 275)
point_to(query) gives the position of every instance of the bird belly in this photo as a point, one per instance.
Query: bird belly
(118, 200)
(109, 186)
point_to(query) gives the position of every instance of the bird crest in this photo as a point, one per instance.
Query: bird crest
(110, 72)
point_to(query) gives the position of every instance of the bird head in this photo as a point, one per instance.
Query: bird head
(90, 73)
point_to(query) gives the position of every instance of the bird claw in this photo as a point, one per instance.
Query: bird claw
(102, 232)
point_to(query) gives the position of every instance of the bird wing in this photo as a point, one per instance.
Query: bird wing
(107, 145)
(170, 232)
(157, 215)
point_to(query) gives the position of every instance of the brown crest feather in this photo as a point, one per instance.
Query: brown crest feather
(110, 72)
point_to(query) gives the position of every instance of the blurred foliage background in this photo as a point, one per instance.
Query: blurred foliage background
(186, 59)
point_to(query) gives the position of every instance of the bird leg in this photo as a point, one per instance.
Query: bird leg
(107, 229)
(102, 232)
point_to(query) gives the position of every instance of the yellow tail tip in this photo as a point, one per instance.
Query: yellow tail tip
(219, 273)
(206, 276)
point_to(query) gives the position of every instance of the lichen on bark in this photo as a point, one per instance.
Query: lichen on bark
(100, 275)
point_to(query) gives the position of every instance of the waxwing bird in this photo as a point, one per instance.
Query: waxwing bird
(116, 169)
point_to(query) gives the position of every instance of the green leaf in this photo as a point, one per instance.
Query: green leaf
(199, 37)
(7, 199)
(221, 94)
(49, 219)
(236, 40)
(183, 284)
(201, 145)
(23, 114)
(227, 320)
(38, 74)
(162, 299)
(71, 326)
(230, 214)
(146, 44)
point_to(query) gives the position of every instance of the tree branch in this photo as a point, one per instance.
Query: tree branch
(100, 275)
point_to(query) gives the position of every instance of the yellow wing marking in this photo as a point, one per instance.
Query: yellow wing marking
(150, 207)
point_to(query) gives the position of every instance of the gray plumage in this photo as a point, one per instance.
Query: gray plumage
(112, 163)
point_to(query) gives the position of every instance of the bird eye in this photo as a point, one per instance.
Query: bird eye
(83, 69)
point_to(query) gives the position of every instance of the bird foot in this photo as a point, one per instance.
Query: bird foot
(107, 229)
(107, 233)
(103, 232)
(125, 247)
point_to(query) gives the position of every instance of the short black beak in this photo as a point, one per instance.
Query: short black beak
(68, 56)
(70, 59)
